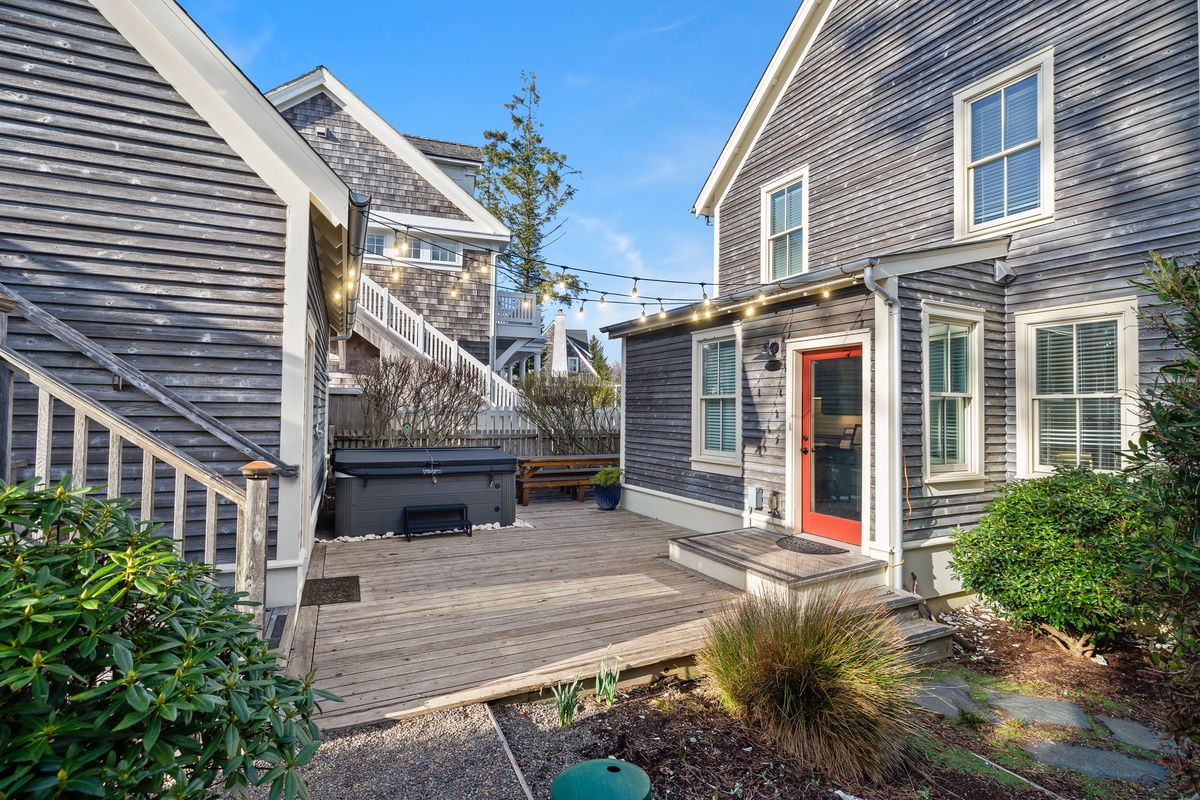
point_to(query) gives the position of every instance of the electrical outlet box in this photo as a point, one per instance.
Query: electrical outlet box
(773, 501)
(756, 495)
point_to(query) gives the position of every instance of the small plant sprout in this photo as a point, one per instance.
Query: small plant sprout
(606, 678)
(566, 700)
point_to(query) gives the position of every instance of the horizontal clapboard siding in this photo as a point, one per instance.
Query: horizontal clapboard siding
(658, 420)
(971, 286)
(320, 367)
(125, 215)
(870, 112)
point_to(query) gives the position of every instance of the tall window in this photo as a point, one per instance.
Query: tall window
(374, 244)
(718, 395)
(785, 241)
(1077, 397)
(950, 394)
(1005, 148)
(1077, 368)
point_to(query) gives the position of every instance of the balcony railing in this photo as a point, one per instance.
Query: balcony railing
(518, 314)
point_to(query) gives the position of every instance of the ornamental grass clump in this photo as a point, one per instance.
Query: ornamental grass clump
(1051, 552)
(825, 672)
(126, 671)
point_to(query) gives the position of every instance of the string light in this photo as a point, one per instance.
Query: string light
(707, 302)
(581, 302)
(750, 311)
(695, 315)
(545, 297)
(825, 293)
(643, 316)
(603, 299)
(634, 293)
(662, 312)
(524, 302)
(562, 283)
(395, 274)
(338, 296)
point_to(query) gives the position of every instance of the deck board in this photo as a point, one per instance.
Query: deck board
(451, 620)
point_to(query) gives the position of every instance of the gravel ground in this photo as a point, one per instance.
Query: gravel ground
(541, 747)
(450, 755)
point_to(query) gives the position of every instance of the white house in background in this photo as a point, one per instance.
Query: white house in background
(567, 350)
(430, 245)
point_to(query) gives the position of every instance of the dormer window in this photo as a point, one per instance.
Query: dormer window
(437, 252)
(1004, 149)
(374, 245)
(785, 216)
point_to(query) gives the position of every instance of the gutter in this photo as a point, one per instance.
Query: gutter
(895, 429)
(356, 245)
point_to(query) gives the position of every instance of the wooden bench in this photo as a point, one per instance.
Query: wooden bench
(560, 472)
(443, 518)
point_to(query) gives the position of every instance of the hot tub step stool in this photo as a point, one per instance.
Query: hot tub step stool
(442, 518)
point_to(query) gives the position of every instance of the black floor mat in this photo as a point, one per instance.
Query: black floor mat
(325, 591)
(799, 544)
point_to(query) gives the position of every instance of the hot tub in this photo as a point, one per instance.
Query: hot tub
(373, 485)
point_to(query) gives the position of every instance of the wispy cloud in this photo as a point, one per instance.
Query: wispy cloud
(620, 244)
(243, 51)
(660, 29)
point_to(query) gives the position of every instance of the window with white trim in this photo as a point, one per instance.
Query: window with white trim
(437, 252)
(1079, 376)
(716, 393)
(1004, 149)
(784, 220)
(953, 369)
(374, 245)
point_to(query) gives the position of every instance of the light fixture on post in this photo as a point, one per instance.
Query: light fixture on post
(770, 354)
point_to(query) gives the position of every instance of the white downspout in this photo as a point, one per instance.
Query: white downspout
(895, 430)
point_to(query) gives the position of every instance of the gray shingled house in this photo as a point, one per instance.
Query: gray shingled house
(180, 257)
(925, 225)
(431, 245)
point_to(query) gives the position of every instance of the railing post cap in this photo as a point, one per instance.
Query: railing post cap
(257, 469)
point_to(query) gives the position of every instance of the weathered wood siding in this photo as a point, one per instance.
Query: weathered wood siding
(870, 112)
(366, 164)
(320, 367)
(658, 422)
(975, 287)
(126, 216)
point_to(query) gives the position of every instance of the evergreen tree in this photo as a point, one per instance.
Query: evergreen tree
(596, 356)
(524, 183)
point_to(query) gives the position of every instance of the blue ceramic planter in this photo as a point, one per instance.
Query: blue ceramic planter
(608, 497)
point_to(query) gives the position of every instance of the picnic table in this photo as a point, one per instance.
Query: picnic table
(560, 472)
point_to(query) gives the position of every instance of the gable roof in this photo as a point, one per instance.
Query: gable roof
(321, 80)
(778, 76)
(450, 151)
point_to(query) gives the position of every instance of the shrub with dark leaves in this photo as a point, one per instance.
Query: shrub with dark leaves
(126, 671)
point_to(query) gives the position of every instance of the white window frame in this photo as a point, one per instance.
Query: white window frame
(942, 480)
(426, 245)
(720, 463)
(1124, 310)
(795, 176)
(383, 245)
(1042, 64)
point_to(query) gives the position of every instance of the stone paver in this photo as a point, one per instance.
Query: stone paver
(1136, 734)
(1037, 710)
(949, 697)
(1100, 763)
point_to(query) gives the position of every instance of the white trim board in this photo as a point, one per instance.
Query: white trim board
(322, 80)
(685, 512)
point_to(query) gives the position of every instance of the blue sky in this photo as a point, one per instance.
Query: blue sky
(640, 96)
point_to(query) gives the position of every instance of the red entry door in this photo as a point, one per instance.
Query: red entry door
(831, 444)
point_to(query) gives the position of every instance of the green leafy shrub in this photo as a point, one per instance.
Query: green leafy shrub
(824, 672)
(1166, 463)
(126, 671)
(1050, 553)
(566, 701)
(607, 476)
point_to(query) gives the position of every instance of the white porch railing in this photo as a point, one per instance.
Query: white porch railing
(410, 326)
(518, 311)
(251, 502)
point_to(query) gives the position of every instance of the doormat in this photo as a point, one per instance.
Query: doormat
(326, 591)
(808, 547)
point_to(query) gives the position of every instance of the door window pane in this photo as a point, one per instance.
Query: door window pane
(835, 433)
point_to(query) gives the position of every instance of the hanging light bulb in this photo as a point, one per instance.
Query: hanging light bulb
(634, 293)
(545, 297)
(662, 312)
(643, 316)
(761, 298)
(704, 293)
(603, 301)
(695, 315)
(524, 302)
(708, 313)
(825, 293)
(350, 273)
(581, 302)
(395, 274)
(562, 283)
(337, 295)
(750, 311)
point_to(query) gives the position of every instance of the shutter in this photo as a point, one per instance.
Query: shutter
(1024, 180)
(1021, 112)
(1057, 429)
(1054, 357)
(1096, 349)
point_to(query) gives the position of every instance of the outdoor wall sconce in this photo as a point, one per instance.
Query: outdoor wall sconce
(770, 354)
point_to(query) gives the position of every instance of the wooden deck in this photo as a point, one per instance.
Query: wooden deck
(451, 620)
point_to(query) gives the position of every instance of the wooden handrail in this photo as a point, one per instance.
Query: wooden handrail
(129, 431)
(135, 377)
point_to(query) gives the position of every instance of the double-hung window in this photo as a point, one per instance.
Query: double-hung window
(953, 339)
(1078, 374)
(716, 400)
(1004, 147)
(784, 222)
(374, 244)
